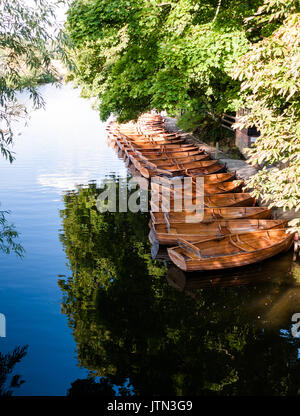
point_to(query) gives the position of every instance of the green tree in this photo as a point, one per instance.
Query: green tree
(141, 54)
(27, 36)
(270, 75)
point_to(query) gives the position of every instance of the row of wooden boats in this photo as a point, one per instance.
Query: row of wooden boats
(163, 154)
(223, 227)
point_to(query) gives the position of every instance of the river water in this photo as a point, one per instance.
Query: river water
(87, 299)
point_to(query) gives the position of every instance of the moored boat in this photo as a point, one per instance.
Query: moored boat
(149, 169)
(149, 147)
(164, 204)
(168, 234)
(230, 251)
(211, 214)
(178, 192)
(210, 179)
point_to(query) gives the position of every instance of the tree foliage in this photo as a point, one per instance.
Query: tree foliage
(27, 36)
(270, 75)
(139, 54)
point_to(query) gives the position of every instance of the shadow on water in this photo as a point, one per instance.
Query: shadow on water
(232, 337)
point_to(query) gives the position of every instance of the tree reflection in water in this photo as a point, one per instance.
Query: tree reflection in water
(130, 323)
(93, 387)
(9, 237)
(7, 364)
(9, 244)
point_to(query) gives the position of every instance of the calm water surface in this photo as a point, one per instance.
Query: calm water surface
(88, 299)
(62, 146)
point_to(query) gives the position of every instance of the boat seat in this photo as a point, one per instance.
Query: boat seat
(243, 242)
(189, 247)
(236, 244)
(239, 243)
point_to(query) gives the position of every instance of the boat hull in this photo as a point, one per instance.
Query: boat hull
(231, 261)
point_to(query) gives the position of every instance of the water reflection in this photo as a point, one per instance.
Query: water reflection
(129, 322)
(280, 269)
(101, 387)
(9, 382)
(9, 236)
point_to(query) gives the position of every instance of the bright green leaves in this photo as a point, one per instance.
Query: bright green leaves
(174, 54)
(28, 43)
(270, 72)
(87, 20)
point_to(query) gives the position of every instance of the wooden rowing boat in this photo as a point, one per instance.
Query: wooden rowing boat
(155, 149)
(211, 214)
(211, 179)
(148, 169)
(132, 134)
(177, 163)
(230, 251)
(168, 159)
(154, 141)
(160, 154)
(168, 234)
(148, 143)
(214, 201)
(135, 134)
(203, 171)
(166, 154)
(151, 147)
(143, 138)
(158, 149)
(178, 192)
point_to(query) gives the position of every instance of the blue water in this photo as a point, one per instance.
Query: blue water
(62, 146)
